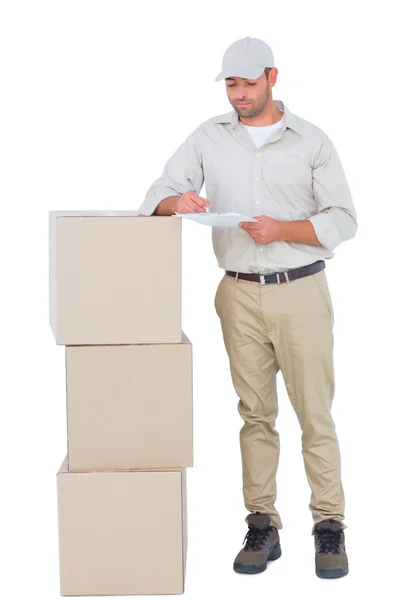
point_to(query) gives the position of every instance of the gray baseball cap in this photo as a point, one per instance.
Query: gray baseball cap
(247, 58)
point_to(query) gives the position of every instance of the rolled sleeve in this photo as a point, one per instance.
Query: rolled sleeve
(185, 162)
(336, 219)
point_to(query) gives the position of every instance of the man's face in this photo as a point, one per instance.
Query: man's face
(255, 92)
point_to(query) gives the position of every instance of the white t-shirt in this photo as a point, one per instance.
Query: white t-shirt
(261, 134)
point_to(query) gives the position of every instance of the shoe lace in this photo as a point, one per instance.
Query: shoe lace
(329, 541)
(255, 537)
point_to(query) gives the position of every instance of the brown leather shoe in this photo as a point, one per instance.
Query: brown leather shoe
(262, 545)
(330, 552)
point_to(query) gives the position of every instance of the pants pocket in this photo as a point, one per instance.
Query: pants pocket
(322, 284)
(217, 294)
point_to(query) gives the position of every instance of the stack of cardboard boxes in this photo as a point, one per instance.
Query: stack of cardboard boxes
(115, 303)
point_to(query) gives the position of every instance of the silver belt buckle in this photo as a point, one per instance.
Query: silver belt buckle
(262, 279)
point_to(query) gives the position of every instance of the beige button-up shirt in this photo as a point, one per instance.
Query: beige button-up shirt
(295, 175)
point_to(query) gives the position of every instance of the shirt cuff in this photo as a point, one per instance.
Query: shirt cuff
(153, 199)
(325, 230)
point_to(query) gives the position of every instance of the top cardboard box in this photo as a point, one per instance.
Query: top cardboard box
(114, 278)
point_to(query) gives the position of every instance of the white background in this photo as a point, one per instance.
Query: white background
(95, 97)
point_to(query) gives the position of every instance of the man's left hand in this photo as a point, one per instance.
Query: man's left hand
(265, 231)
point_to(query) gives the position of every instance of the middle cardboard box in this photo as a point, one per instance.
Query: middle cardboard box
(129, 406)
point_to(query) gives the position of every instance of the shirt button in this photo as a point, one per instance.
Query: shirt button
(258, 156)
(260, 249)
(257, 202)
(256, 178)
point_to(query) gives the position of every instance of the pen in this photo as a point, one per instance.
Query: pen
(193, 188)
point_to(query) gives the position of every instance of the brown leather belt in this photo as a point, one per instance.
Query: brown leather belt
(279, 277)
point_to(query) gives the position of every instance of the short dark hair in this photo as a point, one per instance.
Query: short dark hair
(266, 71)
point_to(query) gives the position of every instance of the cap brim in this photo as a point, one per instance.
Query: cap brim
(246, 73)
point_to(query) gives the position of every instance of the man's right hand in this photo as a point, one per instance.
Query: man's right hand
(191, 202)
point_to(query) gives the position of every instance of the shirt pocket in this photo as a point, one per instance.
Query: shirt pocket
(288, 175)
(290, 187)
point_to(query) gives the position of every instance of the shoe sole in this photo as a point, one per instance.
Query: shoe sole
(331, 573)
(252, 569)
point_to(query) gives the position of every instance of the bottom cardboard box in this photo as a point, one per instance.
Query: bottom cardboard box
(122, 532)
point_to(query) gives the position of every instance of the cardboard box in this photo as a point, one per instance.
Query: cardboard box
(129, 406)
(114, 278)
(122, 533)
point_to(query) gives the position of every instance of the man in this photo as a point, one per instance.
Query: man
(273, 301)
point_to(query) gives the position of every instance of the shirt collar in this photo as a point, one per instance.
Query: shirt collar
(289, 120)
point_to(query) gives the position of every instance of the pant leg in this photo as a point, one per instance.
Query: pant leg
(302, 334)
(253, 368)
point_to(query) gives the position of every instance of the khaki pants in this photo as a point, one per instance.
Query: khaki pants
(287, 327)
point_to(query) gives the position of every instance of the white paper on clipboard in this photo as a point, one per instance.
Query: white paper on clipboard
(216, 219)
